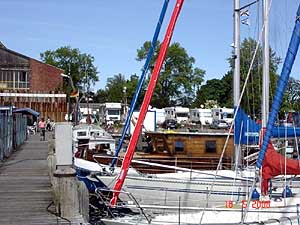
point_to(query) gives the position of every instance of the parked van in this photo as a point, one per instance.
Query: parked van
(201, 116)
(178, 113)
(159, 115)
(110, 111)
(225, 114)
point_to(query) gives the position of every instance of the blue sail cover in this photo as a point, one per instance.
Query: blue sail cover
(282, 83)
(246, 130)
(141, 80)
(249, 130)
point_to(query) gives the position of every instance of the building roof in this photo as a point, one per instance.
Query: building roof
(24, 56)
(2, 45)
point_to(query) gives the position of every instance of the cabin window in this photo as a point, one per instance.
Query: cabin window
(81, 133)
(211, 146)
(95, 134)
(179, 146)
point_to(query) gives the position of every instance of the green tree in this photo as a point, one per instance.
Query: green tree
(212, 91)
(101, 96)
(292, 96)
(222, 90)
(79, 65)
(131, 85)
(114, 88)
(252, 98)
(178, 80)
(117, 89)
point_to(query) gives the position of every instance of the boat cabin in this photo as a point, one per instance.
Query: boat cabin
(189, 149)
(91, 139)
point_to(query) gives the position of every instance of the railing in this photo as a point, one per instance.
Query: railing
(13, 128)
(19, 130)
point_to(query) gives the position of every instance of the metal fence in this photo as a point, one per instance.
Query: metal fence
(19, 130)
(13, 128)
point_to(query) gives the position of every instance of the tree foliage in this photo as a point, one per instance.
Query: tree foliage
(78, 65)
(222, 90)
(178, 80)
(114, 88)
(292, 96)
(118, 89)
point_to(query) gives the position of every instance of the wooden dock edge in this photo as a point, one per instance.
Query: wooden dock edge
(70, 196)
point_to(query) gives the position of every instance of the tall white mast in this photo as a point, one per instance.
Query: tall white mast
(236, 75)
(266, 63)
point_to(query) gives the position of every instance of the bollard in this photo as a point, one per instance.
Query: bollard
(66, 192)
(70, 200)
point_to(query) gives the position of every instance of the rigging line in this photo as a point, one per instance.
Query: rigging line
(231, 127)
(234, 117)
(141, 80)
(255, 37)
(244, 213)
(236, 168)
(286, 146)
(144, 107)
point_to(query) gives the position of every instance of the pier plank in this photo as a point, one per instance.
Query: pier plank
(25, 190)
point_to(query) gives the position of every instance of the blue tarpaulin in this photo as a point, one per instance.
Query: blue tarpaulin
(27, 111)
(247, 130)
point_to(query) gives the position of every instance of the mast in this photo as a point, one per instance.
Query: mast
(266, 63)
(236, 79)
(141, 81)
(144, 108)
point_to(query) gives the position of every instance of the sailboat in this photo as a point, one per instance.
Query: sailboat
(253, 208)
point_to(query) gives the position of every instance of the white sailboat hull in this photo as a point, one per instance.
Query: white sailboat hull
(176, 189)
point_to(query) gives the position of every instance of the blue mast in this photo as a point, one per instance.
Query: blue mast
(281, 86)
(141, 81)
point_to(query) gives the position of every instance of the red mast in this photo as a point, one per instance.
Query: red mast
(144, 108)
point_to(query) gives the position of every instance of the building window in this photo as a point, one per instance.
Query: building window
(211, 146)
(14, 79)
(179, 146)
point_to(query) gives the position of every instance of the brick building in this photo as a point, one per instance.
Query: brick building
(26, 82)
(20, 72)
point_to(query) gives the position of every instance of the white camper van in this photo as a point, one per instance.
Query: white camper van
(178, 113)
(159, 115)
(225, 114)
(110, 111)
(201, 116)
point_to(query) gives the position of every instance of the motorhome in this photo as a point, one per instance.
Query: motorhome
(159, 115)
(225, 114)
(201, 116)
(149, 123)
(178, 113)
(110, 111)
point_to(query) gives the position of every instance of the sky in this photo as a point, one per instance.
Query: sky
(113, 30)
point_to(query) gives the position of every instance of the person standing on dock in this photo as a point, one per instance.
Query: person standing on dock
(42, 127)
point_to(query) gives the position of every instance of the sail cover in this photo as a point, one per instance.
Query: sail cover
(276, 164)
(249, 130)
(281, 87)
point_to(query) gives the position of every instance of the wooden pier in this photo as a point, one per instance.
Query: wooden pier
(25, 189)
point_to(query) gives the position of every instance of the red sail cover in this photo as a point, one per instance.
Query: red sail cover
(274, 165)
